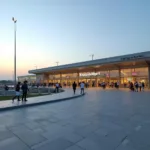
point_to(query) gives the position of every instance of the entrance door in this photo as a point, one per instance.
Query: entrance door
(93, 83)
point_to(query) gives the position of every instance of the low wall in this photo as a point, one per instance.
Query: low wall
(40, 90)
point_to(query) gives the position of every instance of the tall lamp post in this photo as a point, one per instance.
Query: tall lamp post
(92, 56)
(15, 21)
(35, 66)
(57, 63)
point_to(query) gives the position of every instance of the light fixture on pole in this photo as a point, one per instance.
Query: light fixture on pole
(57, 63)
(92, 56)
(35, 66)
(15, 21)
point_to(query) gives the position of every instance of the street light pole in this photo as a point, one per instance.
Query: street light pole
(35, 67)
(14, 20)
(92, 56)
(57, 63)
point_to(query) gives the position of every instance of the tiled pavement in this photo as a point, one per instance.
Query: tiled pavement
(100, 120)
(33, 101)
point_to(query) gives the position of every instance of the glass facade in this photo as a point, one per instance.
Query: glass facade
(137, 74)
(94, 78)
(30, 79)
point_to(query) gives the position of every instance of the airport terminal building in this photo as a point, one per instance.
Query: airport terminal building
(133, 67)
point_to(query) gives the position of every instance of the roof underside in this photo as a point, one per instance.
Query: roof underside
(115, 66)
(100, 64)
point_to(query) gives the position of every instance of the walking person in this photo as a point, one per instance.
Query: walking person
(131, 86)
(136, 86)
(140, 86)
(82, 87)
(143, 86)
(103, 85)
(74, 86)
(24, 91)
(6, 89)
(17, 89)
(57, 87)
(116, 85)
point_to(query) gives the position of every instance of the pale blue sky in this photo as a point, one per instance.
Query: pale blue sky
(70, 30)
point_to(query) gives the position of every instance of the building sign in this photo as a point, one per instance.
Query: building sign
(134, 74)
(88, 74)
(132, 57)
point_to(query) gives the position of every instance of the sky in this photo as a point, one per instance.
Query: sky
(69, 31)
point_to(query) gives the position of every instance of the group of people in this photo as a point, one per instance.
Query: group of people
(137, 86)
(74, 86)
(109, 84)
(24, 89)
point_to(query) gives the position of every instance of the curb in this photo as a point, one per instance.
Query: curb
(40, 103)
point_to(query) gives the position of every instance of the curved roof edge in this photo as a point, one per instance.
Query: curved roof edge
(115, 59)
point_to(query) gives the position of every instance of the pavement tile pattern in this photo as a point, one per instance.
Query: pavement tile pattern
(34, 101)
(101, 120)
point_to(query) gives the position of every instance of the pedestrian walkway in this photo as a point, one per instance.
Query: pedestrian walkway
(100, 120)
(32, 101)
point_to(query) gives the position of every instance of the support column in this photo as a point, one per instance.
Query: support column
(29, 80)
(119, 77)
(90, 82)
(78, 75)
(61, 78)
(96, 84)
(149, 76)
(109, 76)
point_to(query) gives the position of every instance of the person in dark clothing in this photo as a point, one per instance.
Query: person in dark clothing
(136, 86)
(24, 90)
(74, 86)
(6, 89)
(143, 86)
(131, 86)
(116, 85)
(17, 92)
(57, 88)
(140, 86)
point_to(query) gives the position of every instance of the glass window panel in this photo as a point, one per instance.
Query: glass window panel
(114, 73)
(126, 72)
(141, 71)
(69, 75)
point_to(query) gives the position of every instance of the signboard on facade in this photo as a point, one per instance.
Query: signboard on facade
(89, 74)
(134, 74)
(94, 74)
(132, 57)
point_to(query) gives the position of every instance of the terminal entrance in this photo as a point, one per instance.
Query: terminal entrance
(95, 79)
(89, 82)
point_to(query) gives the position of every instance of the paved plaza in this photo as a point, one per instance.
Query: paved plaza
(45, 99)
(101, 120)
